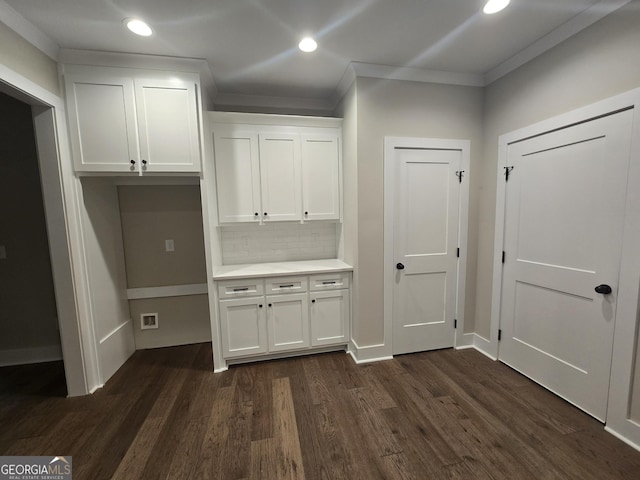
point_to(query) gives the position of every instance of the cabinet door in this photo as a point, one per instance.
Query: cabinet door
(330, 312)
(321, 177)
(288, 321)
(102, 124)
(243, 327)
(168, 125)
(280, 177)
(237, 175)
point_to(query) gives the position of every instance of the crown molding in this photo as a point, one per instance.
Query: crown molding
(27, 30)
(413, 74)
(581, 21)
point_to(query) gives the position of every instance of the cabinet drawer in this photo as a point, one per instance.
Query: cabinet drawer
(329, 281)
(279, 285)
(241, 288)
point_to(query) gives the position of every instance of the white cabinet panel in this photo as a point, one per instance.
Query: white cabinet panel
(288, 321)
(120, 122)
(168, 125)
(321, 177)
(243, 327)
(330, 312)
(102, 123)
(280, 177)
(237, 175)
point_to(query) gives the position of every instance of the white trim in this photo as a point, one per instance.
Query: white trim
(27, 30)
(114, 331)
(115, 348)
(368, 353)
(625, 332)
(622, 437)
(269, 119)
(390, 144)
(25, 356)
(555, 37)
(483, 345)
(78, 346)
(168, 291)
(348, 77)
(413, 74)
(464, 340)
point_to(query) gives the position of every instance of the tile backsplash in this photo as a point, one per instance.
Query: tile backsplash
(278, 243)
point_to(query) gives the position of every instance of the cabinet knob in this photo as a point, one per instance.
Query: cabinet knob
(306, 213)
(265, 214)
(269, 304)
(256, 214)
(260, 305)
(144, 162)
(313, 301)
(133, 162)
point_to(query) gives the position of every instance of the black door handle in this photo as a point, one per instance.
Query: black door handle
(399, 266)
(603, 289)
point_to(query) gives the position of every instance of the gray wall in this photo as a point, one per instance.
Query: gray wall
(25, 59)
(399, 108)
(28, 318)
(150, 215)
(601, 61)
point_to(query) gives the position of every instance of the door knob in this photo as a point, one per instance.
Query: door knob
(603, 289)
(399, 266)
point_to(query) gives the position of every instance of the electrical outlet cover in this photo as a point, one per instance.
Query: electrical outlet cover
(148, 321)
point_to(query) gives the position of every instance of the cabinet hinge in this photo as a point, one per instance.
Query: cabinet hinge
(459, 174)
(458, 252)
(499, 335)
(507, 172)
(504, 256)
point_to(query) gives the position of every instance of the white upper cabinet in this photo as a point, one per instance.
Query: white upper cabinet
(280, 177)
(122, 122)
(238, 175)
(321, 177)
(277, 173)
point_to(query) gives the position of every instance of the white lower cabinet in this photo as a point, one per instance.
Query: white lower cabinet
(276, 314)
(329, 317)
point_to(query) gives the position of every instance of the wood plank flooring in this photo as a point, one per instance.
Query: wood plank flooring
(434, 415)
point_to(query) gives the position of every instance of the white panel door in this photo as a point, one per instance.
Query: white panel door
(237, 175)
(102, 123)
(243, 326)
(425, 243)
(168, 125)
(564, 215)
(280, 177)
(321, 177)
(330, 313)
(288, 321)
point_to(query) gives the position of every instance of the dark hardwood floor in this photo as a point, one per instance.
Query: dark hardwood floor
(435, 415)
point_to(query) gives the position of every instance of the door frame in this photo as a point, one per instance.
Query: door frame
(390, 144)
(625, 331)
(60, 195)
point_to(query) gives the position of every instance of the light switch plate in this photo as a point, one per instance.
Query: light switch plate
(169, 246)
(3, 252)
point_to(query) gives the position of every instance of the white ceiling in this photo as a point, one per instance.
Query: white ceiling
(251, 45)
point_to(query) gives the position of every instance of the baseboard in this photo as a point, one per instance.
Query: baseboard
(369, 353)
(25, 356)
(466, 341)
(620, 436)
(483, 346)
(115, 349)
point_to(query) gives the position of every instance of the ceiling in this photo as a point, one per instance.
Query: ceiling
(251, 45)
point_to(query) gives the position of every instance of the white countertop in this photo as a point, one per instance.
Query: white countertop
(252, 270)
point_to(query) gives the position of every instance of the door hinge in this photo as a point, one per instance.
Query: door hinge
(507, 172)
(459, 174)
(455, 323)
(504, 256)
(499, 335)
(458, 252)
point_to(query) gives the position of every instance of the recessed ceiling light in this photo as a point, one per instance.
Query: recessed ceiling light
(494, 6)
(307, 44)
(138, 27)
